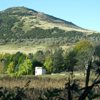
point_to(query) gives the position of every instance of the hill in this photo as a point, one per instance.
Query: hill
(20, 23)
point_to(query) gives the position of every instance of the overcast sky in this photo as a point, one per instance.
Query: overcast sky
(83, 13)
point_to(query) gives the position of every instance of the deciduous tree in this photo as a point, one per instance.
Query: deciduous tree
(58, 59)
(11, 68)
(84, 44)
(70, 59)
(48, 64)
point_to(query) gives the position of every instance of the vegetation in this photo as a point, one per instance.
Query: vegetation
(48, 64)
(70, 59)
(20, 26)
(55, 60)
(62, 94)
(84, 44)
(11, 68)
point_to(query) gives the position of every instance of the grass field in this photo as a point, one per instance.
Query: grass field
(24, 49)
(11, 48)
(41, 83)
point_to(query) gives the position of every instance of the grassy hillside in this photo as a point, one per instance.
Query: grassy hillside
(21, 22)
(26, 27)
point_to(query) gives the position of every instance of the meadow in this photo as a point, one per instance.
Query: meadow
(41, 83)
(12, 48)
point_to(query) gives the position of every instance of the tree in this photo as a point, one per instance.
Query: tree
(48, 64)
(97, 51)
(57, 59)
(39, 56)
(26, 67)
(84, 44)
(70, 59)
(6, 55)
(30, 55)
(84, 57)
(11, 68)
(16, 57)
(97, 55)
(23, 69)
(22, 58)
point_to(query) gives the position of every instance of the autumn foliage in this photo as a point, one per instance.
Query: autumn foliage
(84, 44)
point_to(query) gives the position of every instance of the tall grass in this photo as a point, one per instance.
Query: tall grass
(71, 88)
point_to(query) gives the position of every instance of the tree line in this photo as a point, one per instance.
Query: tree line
(54, 59)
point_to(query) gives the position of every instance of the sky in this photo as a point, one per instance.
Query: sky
(83, 13)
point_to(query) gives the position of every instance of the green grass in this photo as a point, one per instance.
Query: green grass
(56, 76)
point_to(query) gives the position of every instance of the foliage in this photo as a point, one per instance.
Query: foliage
(16, 68)
(39, 56)
(23, 69)
(48, 33)
(97, 51)
(84, 44)
(51, 94)
(57, 59)
(26, 67)
(6, 55)
(22, 57)
(94, 35)
(20, 24)
(48, 64)
(8, 61)
(70, 59)
(38, 53)
(84, 57)
(30, 55)
(11, 68)
(16, 57)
